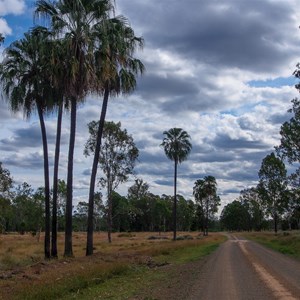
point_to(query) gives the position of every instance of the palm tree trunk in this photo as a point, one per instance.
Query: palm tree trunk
(109, 212)
(90, 228)
(55, 183)
(47, 185)
(175, 202)
(69, 203)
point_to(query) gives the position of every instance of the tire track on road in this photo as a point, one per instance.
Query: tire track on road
(274, 284)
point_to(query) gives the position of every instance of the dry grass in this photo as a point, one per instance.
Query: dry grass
(23, 268)
(22, 250)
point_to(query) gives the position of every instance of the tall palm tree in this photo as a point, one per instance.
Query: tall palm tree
(177, 146)
(26, 83)
(74, 22)
(57, 72)
(116, 72)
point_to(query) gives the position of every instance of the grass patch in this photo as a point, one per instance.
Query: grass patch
(73, 284)
(192, 251)
(110, 273)
(284, 242)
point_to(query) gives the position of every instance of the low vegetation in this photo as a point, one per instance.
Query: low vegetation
(117, 270)
(286, 242)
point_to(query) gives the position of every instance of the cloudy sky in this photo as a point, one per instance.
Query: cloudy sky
(221, 70)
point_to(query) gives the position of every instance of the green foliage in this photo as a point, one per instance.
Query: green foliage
(273, 186)
(176, 144)
(205, 193)
(234, 216)
(118, 153)
(5, 180)
(251, 201)
(289, 147)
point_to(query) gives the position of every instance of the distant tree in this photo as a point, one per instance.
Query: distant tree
(252, 202)
(138, 190)
(272, 187)
(1, 39)
(80, 216)
(117, 158)
(205, 193)
(185, 213)
(6, 180)
(6, 214)
(177, 146)
(120, 212)
(6, 183)
(293, 211)
(99, 210)
(234, 216)
(28, 208)
(61, 204)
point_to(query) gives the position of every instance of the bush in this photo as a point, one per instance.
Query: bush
(126, 234)
(184, 237)
(152, 237)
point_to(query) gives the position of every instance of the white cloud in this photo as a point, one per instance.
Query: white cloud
(4, 28)
(15, 7)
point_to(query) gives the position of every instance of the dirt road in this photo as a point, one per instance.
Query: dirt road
(239, 269)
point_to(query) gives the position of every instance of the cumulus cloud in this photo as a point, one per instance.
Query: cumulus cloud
(15, 7)
(4, 28)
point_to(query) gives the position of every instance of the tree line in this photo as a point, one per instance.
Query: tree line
(23, 209)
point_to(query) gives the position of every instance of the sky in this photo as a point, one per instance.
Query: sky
(221, 70)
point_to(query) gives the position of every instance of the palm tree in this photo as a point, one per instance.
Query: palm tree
(177, 147)
(205, 193)
(58, 68)
(116, 72)
(25, 80)
(74, 22)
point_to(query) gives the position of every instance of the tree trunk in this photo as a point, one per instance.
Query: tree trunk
(69, 202)
(90, 227)
(47, 185)
(275, 223)
(175, 203)
(206, 218)
(109, 212)
(55, 183)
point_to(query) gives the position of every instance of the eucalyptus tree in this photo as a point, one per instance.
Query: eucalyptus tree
(26, 84)
(205, 193)
(177, 146)
(116, 70)
(252, 202)
(289, 147)
(272, 187)
(6, 180)
(117, 158)
(75, 22)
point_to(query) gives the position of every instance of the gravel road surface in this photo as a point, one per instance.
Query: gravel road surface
(241, 269)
